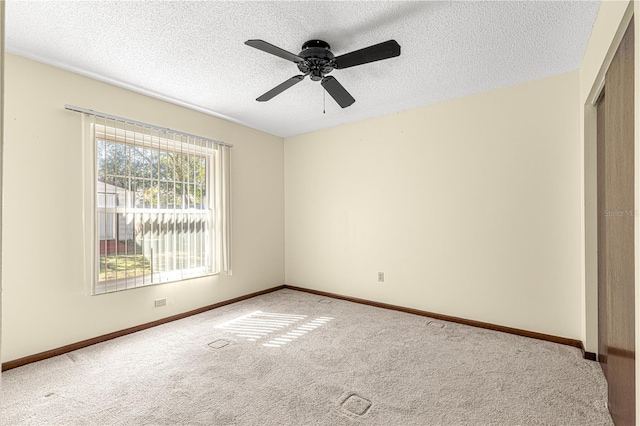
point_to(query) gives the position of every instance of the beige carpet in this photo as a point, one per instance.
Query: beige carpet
(292, 358)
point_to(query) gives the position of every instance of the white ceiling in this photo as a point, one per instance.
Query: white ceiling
(193, 53)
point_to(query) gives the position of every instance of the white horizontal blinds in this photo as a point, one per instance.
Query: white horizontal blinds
(162, 205)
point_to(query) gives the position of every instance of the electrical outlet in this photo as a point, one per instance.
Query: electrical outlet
(160, 302)
(380, 277)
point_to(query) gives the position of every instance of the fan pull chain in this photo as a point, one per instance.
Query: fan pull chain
(324, 103)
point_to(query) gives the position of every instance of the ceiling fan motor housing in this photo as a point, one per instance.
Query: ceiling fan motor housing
(317, 59)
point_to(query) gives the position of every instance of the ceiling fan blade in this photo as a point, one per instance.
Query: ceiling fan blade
(280, 88)
(377, 52)
(274, 50)
(337, 92)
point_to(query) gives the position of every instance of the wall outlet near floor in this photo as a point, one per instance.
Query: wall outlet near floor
(160, 302)
(380, 277)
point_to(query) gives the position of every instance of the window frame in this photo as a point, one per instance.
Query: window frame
(134, 135)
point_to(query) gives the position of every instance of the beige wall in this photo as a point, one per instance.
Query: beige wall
(470, 207)
(45, 299)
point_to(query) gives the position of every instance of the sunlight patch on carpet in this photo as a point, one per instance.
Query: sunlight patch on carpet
(297, 332)
(257, 325)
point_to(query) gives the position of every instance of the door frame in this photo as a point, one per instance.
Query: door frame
(589, 180)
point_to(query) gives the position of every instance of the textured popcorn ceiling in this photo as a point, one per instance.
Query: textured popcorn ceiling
(193, 53)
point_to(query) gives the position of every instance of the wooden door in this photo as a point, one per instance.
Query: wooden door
(616, 213)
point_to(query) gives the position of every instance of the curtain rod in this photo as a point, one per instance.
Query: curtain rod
(140, 123)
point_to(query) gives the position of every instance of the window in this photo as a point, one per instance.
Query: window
(161, 206)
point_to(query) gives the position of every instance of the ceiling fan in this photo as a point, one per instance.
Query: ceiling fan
(316, 60)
